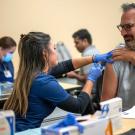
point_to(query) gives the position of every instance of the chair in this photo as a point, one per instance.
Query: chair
(97, 94)
(63, 52)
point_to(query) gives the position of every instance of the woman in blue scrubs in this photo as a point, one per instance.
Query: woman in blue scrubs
(7, 48)
(36, 93)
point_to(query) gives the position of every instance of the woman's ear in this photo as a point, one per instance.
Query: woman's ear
(45, 54)
(46, 58)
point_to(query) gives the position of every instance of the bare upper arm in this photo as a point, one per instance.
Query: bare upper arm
(110, 82)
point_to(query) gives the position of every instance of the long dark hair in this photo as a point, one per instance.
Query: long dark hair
(32, 61)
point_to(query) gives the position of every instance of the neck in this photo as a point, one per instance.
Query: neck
(86, 46)
(46, 69)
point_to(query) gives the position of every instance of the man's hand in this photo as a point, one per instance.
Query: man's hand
(79, 77)
(124, 54)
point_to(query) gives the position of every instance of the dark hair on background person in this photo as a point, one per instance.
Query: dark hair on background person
(127, 6)
(31, 63)
(83, 34)
(7, 42)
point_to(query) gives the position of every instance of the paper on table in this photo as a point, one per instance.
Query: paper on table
(36, 131)
(129, 114)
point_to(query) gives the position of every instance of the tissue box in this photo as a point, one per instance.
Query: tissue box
(112, 108)
(7, 123)
(91, 127)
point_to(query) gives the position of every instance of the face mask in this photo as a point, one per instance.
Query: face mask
(7, 57)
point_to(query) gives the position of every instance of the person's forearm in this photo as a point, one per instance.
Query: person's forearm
(88, 87)
(82, 104)
(80, 62)
(81, 78)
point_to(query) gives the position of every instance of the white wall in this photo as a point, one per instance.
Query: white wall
(60, 18)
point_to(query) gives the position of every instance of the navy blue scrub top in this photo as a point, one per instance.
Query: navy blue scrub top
(45, 94)
(9, 67)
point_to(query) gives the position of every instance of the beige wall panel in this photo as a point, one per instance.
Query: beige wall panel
(60, 18)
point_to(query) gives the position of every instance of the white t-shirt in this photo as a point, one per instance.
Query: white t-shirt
(89, 51)
(125, 73)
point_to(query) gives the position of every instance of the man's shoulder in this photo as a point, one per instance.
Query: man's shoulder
(121, 63)
(123, 66)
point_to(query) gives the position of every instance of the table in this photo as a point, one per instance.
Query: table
(66, 86)
(127, 124)
(69, 86)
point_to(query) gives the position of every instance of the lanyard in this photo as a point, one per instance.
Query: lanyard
(5, 67)
(6, 71)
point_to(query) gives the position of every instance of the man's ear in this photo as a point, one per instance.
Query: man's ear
(85, 40)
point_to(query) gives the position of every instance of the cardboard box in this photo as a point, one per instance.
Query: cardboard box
(7, 123)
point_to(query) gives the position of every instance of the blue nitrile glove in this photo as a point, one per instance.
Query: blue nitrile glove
(107, 58)
(95, 71)
(69, 120)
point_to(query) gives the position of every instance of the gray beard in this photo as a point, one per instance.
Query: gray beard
(131, 45)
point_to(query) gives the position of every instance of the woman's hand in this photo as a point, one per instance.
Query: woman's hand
(107, 57)
(95, 72)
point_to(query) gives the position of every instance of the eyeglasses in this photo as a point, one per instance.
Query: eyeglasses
(126, 27)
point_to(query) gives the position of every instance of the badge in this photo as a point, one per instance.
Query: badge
(7, 74)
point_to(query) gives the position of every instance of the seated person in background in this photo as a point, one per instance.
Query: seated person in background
(119, 78)
(83, 43)
(36, 93)
(7, 48)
